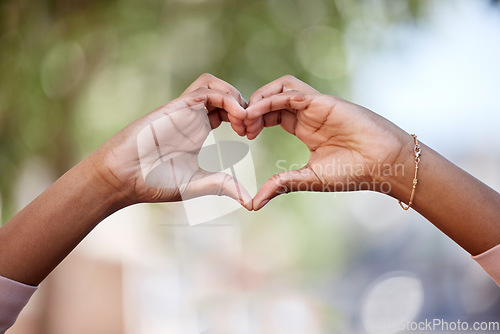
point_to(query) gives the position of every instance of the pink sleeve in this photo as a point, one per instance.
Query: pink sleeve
(13, 297)
(490, 261)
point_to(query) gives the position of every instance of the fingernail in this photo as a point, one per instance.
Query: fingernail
(262, 204)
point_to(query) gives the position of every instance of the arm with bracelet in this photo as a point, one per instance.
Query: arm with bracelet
(352, 148)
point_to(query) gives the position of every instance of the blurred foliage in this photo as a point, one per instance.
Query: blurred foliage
(75, 72)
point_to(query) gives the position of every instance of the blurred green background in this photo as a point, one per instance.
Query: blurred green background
(73, 73)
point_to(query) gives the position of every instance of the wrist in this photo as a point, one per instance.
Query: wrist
(399, 181)
(104, 185)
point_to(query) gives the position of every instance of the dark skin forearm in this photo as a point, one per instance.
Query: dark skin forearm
(39, 237)
(462, 207)
(341, 135)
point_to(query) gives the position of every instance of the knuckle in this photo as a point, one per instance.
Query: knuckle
(276, 179)
(298, 97)
(206, 76)
(198, 97)
(288, 77)
(281, 187)
(199, 90)
(254, 97)
(235, 93)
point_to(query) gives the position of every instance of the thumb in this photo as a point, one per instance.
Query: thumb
(302, 179)
(220, 184)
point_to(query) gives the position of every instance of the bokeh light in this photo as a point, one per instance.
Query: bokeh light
(391, 303)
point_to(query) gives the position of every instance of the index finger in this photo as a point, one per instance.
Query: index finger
(220, 101)
(291, 101)
(210, 81)
(284, 84)
(215, 100)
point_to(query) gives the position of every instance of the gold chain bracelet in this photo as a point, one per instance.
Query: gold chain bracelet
(418, 153)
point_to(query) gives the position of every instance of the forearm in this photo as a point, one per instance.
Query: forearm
(39, 237)
(462, 207)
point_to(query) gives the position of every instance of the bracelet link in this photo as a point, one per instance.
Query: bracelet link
(418, 152)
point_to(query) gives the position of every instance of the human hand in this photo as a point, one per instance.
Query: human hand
(351, 147)
(155, 159)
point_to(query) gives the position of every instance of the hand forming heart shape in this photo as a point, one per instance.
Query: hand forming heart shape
(351, 147)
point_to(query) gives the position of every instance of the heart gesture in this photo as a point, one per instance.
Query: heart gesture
(155, 158)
